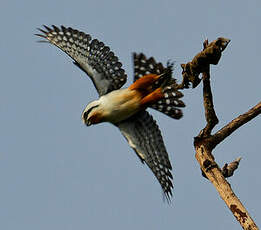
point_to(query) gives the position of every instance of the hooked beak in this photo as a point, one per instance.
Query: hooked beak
(85, 119)
(88, 123)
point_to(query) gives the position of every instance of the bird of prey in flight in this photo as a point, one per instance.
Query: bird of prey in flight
(125, 108)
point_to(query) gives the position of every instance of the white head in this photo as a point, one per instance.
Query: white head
(92, 114)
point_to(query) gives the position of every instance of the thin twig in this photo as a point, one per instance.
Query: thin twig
(234, 125)
(229, 169)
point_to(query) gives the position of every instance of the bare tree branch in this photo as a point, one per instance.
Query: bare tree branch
(234, 125)
(215, 176)
(204, 142)
(210, 114)
(210, 55)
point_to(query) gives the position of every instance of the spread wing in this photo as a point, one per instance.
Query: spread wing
(171, 104)
(144, 136)
(144, 65)
(90, 55)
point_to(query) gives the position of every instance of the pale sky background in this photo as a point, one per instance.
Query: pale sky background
(55, 173)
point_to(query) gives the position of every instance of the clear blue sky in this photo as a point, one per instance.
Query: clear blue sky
(55, 173)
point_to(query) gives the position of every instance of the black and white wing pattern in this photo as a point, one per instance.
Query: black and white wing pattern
(90, 55)
(143, 66)
(171, 104)
(144, 136)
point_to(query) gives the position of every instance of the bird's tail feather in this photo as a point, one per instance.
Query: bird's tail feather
(170, 103)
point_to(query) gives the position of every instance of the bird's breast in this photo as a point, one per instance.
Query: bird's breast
(120, 104)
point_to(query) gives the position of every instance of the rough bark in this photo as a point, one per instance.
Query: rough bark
(204, 143)
(214, 174)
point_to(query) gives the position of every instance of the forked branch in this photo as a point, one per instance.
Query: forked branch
(205, 142)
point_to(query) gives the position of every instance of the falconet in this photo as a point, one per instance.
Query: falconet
(125, 108)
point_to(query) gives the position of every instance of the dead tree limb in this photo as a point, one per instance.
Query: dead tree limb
(234, 125)
(210, 55)
(204, 143)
